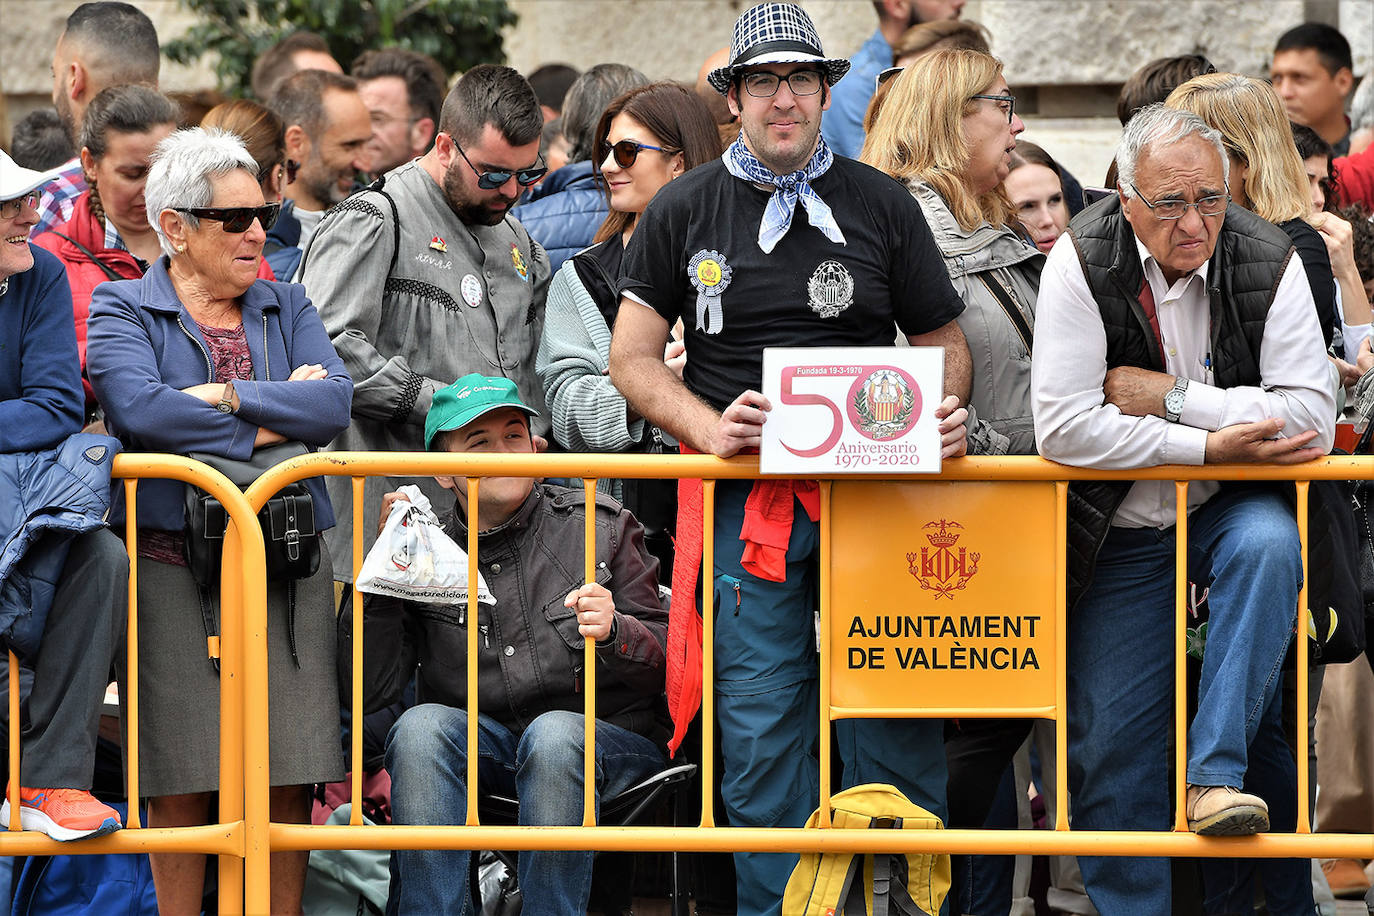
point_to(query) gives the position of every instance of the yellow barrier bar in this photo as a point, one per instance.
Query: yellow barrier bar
(827, 712)
(15, 728)
(1181, 656)
(355, 728)
(246, 865)
(640, 466)
(1061, 648)
(708, 652)
(223, 840)
(798, 839)
(589, 661)
(130, 687)
(473, 658)
(1300, 662)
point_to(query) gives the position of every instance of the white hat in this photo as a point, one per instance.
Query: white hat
(775, 33)
(16, 181)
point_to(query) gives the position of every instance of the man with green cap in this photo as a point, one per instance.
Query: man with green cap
(530, 723)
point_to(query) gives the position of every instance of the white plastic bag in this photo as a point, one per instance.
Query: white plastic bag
(414, 559)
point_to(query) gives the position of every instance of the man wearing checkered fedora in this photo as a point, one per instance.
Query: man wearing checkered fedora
(780, 243)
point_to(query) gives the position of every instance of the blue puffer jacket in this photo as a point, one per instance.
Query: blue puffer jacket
(62, 490)
(143, 347)
(565, 211)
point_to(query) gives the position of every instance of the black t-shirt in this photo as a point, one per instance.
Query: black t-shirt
(695, 255)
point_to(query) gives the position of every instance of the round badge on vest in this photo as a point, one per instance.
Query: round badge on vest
(471, 288)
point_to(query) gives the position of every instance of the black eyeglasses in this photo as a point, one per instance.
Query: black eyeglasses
(1211, 205)
(1009, 99)
(627, 151)
(9, 209)
(490, 181)
(764, 85)
(236, 219)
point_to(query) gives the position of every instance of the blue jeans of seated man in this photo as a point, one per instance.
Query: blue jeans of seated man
(1229, 884)
(542, 766)
(767, 706)
(1243, 543)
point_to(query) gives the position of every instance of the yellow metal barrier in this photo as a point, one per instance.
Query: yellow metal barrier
(709, 837)
(244, 838)
(242, 602)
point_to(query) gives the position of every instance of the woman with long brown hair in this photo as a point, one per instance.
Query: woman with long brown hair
(645, 139)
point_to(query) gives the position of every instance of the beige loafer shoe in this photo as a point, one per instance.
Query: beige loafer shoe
(1225, 811)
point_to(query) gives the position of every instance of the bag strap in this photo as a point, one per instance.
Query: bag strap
(1013, 313)
(850, 900)
(207, 617)
(109, 272)
(380, 187)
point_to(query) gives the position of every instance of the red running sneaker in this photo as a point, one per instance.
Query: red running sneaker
(63, 814)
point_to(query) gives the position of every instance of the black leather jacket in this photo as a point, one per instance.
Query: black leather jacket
(530, 652)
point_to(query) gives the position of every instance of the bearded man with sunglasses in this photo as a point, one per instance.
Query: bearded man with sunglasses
(1173, 328)
(425, 277)
(780, 243)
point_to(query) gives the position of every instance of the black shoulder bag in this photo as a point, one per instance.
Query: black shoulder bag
(289, 534)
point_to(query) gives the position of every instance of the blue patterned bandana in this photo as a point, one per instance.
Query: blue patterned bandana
(777, 216)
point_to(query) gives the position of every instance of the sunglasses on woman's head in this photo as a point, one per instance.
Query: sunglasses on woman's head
(236, 219)
(627, 151)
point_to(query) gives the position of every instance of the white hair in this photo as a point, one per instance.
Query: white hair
(1158, 124)
(184, 166)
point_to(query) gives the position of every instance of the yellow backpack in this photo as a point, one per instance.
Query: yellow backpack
(883, 884)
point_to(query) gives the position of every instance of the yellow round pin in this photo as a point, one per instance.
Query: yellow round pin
(708, 272)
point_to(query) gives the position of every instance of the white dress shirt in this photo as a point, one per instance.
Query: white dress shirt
(1074, 425)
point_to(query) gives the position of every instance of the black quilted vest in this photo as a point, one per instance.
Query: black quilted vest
(1250, 257)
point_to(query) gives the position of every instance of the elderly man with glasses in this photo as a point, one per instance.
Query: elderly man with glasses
(1172, 328)
(425, 277)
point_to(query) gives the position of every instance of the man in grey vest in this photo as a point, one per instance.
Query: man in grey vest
(425, 277)
(1172, 328)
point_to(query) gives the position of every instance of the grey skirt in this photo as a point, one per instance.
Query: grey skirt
(178, 686)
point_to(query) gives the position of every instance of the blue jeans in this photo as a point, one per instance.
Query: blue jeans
(1243, 544)
(542, 766)
(768, 705)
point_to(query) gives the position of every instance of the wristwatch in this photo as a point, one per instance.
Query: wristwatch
(226, 400)
(1173, 401)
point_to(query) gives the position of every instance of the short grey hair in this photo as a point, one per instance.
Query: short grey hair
(1362, 105)
(185, 165)
(1156, 124)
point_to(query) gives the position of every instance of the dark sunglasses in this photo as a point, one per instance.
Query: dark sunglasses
(490, 181)
(627, 151)
(236, 219)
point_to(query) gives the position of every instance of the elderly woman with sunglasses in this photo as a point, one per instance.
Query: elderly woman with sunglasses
(200, 355)
(645, 139)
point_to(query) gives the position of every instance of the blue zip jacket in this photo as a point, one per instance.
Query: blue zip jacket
(143, 347)
(565, 211)
(47, 496)
(282, 248)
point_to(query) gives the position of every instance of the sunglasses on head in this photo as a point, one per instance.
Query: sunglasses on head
(627, 151)
(493, 179)
(236, 219)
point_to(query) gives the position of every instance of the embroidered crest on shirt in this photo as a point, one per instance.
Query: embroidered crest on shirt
(710, 276)
(518, 260)
(831, 289)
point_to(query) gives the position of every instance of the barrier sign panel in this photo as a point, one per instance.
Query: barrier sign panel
(943, 595)
(852, 410)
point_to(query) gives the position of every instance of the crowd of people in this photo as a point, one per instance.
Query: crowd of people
(398, 260)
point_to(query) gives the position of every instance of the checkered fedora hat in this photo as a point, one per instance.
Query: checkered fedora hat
(775, 33)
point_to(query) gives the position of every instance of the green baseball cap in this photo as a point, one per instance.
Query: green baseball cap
(465, 400)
